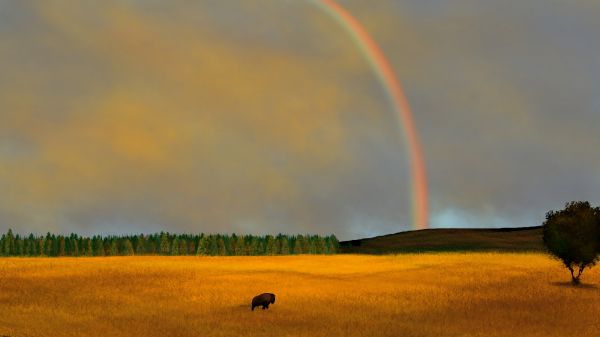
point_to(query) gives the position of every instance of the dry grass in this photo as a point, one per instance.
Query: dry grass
(482, 294)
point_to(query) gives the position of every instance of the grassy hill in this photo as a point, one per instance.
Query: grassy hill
(450, 239)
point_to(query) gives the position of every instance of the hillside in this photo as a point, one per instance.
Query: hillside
(450, 239)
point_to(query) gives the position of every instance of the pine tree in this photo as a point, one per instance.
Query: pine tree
(99, 247)
(19, 247)
(298, 243)
(183, 246)
(89, 251)
(9, 243)
(269, 245)
(61, 249)
(114, 249)
(251, 243)
(332, 243)
(285, 248)
(48, 243)
(202, 246)
(40, 246)
(221, 247)
(175, 247)
(74, 247)
(140, 248)
(126, 248)
(191, 246)
(165, 246)
(311, 245)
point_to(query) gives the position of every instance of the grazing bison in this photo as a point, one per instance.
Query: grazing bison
(263, 300)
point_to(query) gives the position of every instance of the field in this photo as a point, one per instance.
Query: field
(438, 294)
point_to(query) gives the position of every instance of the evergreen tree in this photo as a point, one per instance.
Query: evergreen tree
(9, 243)
(114, 249)
(61, 249)
(252, 246)
(311, 245)
(165, 246)
(306, 244)
(332, 243)
(183, 246)
(298, 243)
(151, 247)
(74, 247)
(48, 244)
(241, 245)
(127, 248)
(221, 247)
(41, 243)
(30, 246)
(212, 245)
(89, 250)
(260, 247)
(140, 244)
(191, 248)
(175, 247)
(99, 247)
(19, 246)
(285, 248)
(269, 245)
(202, 246)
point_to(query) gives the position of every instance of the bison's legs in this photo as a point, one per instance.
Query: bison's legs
(252, 308)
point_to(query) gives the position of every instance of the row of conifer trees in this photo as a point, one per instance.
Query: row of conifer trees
(165, 244)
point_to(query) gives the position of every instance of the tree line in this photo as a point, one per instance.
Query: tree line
(165, 243)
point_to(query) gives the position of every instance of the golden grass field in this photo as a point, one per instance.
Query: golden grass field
(450, 294)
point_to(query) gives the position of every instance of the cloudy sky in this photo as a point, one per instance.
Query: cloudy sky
(262, 116)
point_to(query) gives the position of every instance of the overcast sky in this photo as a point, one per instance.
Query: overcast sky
(263, 116)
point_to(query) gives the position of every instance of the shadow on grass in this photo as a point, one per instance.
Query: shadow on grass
(576, 286)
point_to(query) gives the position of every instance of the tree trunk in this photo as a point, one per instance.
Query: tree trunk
(575, 278)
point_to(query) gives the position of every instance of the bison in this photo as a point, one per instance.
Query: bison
(263, 300)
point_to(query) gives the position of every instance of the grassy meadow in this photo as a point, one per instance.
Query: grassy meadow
(439, 294)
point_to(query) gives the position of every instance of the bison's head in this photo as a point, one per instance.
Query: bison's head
(272, 298)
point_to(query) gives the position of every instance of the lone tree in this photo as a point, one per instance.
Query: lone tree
(573, 236)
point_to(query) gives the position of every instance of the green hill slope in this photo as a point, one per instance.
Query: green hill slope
(455, 239)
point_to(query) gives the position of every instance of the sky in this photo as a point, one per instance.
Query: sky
(264, 116)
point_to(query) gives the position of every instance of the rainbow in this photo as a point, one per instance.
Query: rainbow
(385, 73)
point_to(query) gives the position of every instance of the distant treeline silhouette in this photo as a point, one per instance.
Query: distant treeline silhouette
(165, 243)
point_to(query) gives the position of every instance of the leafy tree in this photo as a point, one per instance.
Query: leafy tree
(572, 236)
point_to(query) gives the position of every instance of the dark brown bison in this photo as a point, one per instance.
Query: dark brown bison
(263, 300)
